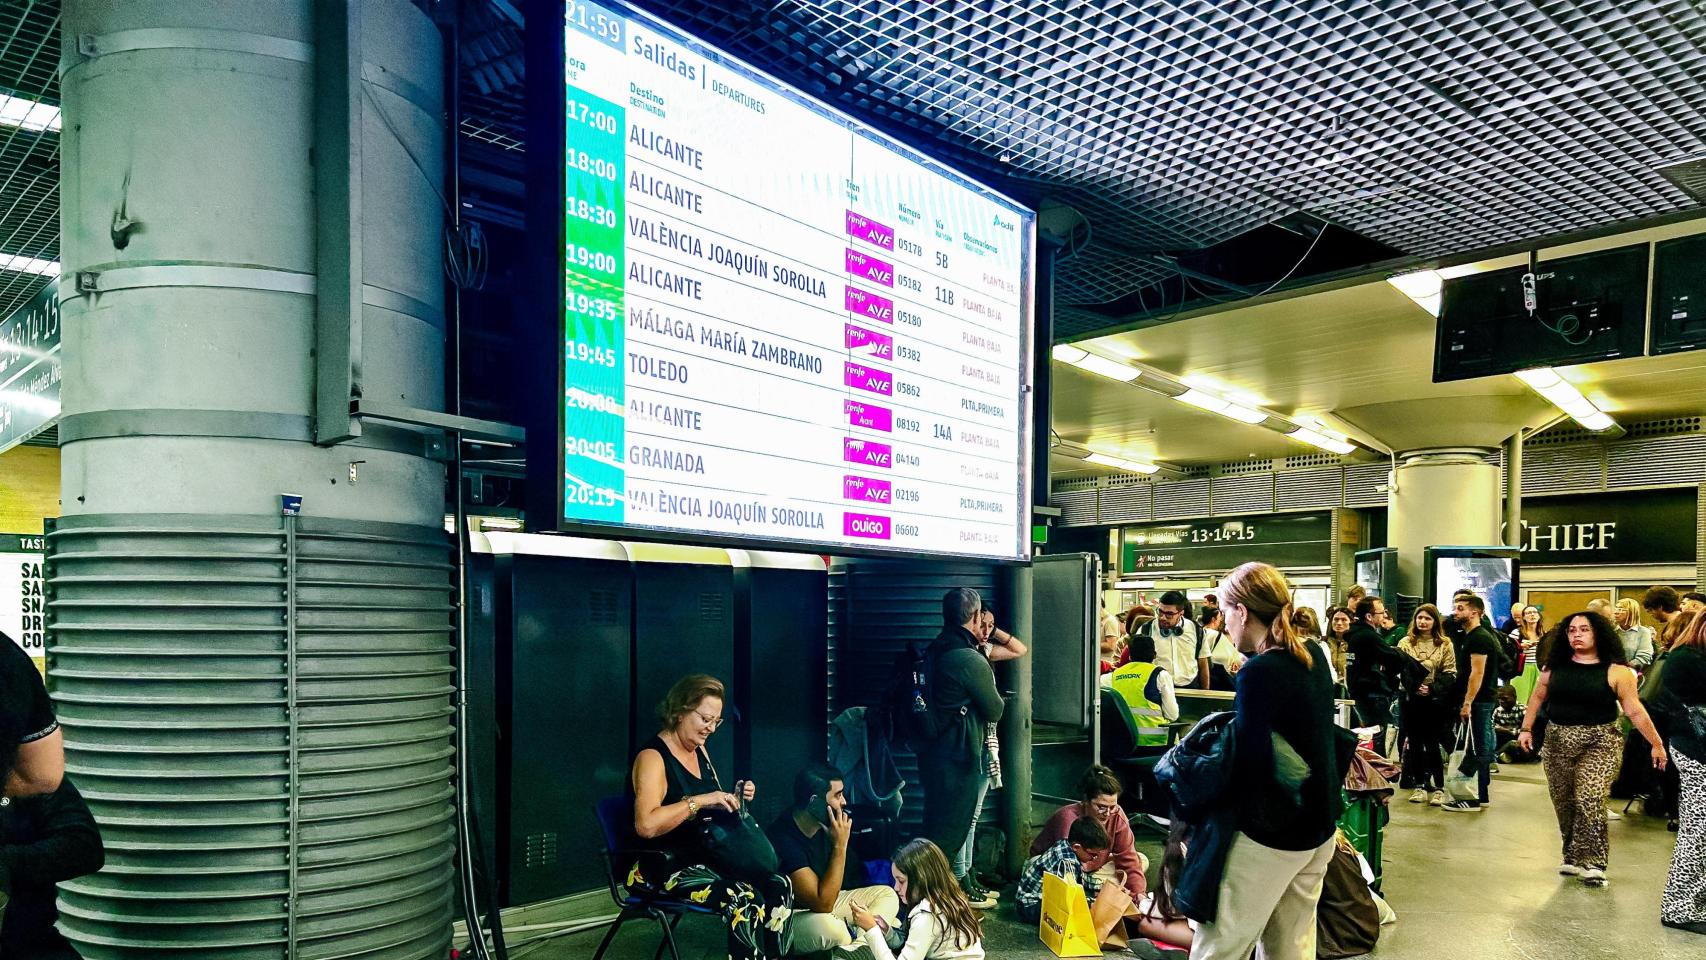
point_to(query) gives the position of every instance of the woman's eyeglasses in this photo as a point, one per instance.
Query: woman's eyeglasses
(712, 722)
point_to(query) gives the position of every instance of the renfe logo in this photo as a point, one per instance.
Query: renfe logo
(871, 381)
(879, 346)
(869, 267)
(864, 228)
(866, 525)
(868, 415)
(865, 488)
(867, 453)
(870, 305)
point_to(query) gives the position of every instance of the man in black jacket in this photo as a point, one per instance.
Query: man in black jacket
(1370, 667)
(963, 698)
(43, 840)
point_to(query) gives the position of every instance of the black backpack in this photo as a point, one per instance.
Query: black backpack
(1510, 658)
(909, 710)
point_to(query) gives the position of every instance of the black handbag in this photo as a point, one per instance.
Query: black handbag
(732, 842)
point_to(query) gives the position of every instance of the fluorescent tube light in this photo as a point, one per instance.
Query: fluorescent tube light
(1121, 463)
(1112, 369)
(1226, 408)
(1423, 286)
(1205, 401)
(1563, 394)
(1316, 438)
(1246, 414)
(1067, 353)
(26, 114)
(18, 263)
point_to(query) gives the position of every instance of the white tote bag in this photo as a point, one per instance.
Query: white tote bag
(1460, 785)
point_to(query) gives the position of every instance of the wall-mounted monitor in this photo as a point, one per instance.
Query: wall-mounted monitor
(1492, 573)
(1377, 572)
(1679, 294)
(779, 325)
(1588, 307)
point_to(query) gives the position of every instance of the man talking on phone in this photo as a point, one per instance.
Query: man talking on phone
(812, 844)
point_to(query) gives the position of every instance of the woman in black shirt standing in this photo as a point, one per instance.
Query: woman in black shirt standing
(1279, 857)
(1581, 684)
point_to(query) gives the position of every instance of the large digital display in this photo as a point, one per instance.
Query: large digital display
(778, 324)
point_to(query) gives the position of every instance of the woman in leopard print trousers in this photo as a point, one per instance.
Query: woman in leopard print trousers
(1582, 683)
(1684, 701)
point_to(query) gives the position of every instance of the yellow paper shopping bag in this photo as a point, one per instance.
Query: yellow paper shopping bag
(1065, 927)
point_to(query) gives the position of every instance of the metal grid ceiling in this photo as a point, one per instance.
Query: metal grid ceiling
(29, 159)
(1433, 126)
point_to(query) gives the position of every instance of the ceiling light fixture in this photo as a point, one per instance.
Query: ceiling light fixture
(1316, 438)
(1204, 400)
(18, 263)
(26, 114)
(1427, 287)
(1424, 286)
(1121, 463)
(1091, 363)
(1564, 395)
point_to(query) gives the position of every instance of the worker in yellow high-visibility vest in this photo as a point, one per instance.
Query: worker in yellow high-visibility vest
(1147, 688)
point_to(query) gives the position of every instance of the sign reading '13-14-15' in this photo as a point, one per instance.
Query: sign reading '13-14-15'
(780, 325)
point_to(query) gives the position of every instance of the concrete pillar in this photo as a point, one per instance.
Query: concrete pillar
(255, 704)
(1439, 497)
(1513, 490)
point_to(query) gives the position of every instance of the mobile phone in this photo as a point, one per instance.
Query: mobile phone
(819, 810)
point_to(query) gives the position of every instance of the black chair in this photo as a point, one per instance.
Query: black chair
(615, 816)
(1134, 764)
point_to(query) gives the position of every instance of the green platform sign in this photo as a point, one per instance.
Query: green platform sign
(1217, 544)
(30, 368)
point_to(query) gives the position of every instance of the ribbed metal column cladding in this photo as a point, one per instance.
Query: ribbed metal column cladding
(887, 604)
(258, 711)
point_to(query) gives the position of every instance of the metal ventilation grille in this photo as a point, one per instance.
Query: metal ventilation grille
(1187, 498)
(603, 607)
(1665, 427)
(1562, 469)
(1690, 175)
(1309, 489)
(1234, 495)
(713, 608)
(1243, 467)
(1363, 483)
(261, 724)
(1305, 460)
(1128, 503)
(1078, 508)
(1659, 461)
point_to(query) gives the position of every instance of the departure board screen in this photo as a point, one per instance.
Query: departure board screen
(780, 325)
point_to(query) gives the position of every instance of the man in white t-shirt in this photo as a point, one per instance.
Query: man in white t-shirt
(1178, 641)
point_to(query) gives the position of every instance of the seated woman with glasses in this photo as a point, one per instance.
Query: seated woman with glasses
(1101, 792)
(675, 789)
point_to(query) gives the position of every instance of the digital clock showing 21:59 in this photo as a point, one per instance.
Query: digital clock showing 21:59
(595, 22)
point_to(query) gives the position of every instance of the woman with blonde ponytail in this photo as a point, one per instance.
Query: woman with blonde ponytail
(1284, 843)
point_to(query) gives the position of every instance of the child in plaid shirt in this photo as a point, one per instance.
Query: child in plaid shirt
(1076, 859)
(1507, 723)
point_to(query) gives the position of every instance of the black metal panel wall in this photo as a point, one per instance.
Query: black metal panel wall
(683, 623)
(568, 680)
(780, 685)
(888, 603)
